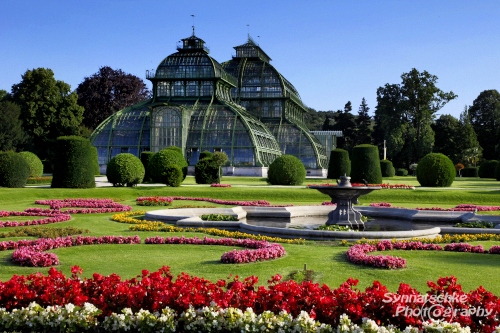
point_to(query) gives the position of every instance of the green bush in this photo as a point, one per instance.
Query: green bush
(73, 163)
(435, 170)
(206, 171)
(95, 160)
(339, 164)
(173, 176)
(365, 164)
(286, 170)
(470, 172)
(14, 170)
(162, 159)
(487, 169)
(205, 154)
(401, 172)
(387, 168)
(125, 170)
(177, 149)
(497, 172)
(146, 157)
(35, 164)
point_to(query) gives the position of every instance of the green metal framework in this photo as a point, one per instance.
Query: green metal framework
(191, 108)
(272, 99)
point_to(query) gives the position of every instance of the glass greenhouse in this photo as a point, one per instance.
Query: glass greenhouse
(244, 108)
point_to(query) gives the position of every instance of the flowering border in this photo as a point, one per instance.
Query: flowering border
(85, 206)
(199, 305)
(53, 216)
(264, 203)
(457, 208)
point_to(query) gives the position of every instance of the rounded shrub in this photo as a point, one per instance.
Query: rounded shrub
(339, 164)
(173, 176)
(125, 170)
(401, 172)
(73, 163)
(14, 170)
(470, 172)
(286, 170)
(365, 164)
(146, 157)
(162, 159)
(205, 154)
(435, 170)
(35, 164)
(177, 149)
(487, 169)
(206, 171)
(387, 168)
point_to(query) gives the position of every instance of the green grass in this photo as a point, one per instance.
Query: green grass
(325, 258)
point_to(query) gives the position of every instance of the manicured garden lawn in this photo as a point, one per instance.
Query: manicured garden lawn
(327, 259)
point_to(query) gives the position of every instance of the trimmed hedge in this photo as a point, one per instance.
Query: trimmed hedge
(173, 176)
(387, 168)
(339, 164)
(365, 164)
(206, 171)
(205, 154)
(286, 170)
(73, 164)
(401, 172)
(470, 172)
(487, 169)
(14, 170)
(35, 164)
(146, 157)
(435, 170)
(125, 170)
(95, 160)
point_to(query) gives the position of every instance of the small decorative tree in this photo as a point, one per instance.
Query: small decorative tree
(365, 165)
(339, 164)
(219, 158)
(435, 170)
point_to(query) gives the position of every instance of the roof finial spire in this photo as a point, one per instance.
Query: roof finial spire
(248, 31)
(193, 23)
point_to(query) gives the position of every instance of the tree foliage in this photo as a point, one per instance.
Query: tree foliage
(107, 92)
(11, 130)
(48, 109)
(345, 122)
(405, 113)
(364, 128)
(484, 116)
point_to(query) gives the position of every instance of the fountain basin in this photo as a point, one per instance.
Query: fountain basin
(434, 219)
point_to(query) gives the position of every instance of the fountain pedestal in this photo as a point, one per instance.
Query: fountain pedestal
(343, 195)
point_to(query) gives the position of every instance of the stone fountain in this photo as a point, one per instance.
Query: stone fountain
(344, 195)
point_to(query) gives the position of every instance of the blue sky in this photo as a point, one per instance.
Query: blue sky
(332, 51)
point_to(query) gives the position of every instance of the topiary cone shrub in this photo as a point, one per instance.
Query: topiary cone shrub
(435, 170)
(125, 170)
(339, 164)
(164, 158)
(35, 164)
(286, 170)
(73, 164)
(387, 168)
(487, 169)
(365, 164)
(14, 170)
(95, 160)
(146, 157)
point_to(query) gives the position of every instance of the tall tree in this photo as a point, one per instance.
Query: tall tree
(48, 109)
(11, 130)
(468, 143)
(363, 124)
(108, 91)
(447, 137)
(406, 112)
(484, 116)
(345, 122)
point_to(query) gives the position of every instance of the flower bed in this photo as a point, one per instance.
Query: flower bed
(31, 252)
(261, 250)
(357, 254)
(86, 206)
(53, 216)
(154, 301)
(265, 203)
(384, 185)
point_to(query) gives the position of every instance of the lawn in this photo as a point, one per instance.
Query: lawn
(326, 259)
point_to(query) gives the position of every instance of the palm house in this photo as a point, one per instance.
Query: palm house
(243, 107)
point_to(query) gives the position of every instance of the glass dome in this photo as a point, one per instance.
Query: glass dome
(272, 99)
